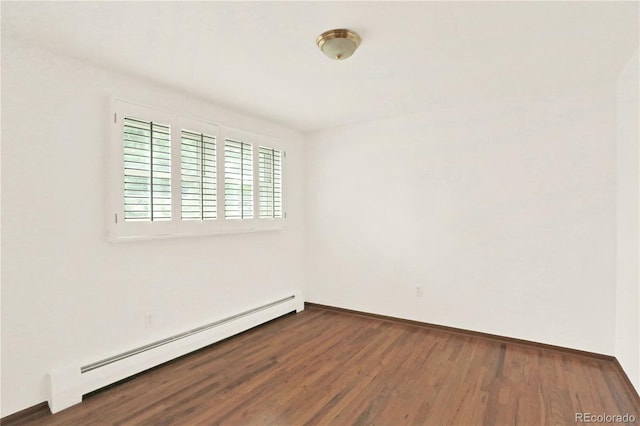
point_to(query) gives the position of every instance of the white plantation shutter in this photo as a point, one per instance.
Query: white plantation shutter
(198, 176)
(270, 182)
(172, 175)
(147, 170)
(238, 180)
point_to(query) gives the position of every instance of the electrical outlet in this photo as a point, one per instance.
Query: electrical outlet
(419, 291)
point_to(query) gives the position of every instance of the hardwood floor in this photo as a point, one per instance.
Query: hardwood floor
(320, 367)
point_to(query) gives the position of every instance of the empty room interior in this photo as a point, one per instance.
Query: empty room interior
(321, 213)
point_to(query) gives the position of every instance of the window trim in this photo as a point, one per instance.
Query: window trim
(121, 230)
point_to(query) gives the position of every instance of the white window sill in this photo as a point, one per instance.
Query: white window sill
(177, 235)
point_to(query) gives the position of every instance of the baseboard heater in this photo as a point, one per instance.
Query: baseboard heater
(68, 384)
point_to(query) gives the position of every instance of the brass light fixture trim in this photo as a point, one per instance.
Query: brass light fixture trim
(339, 43)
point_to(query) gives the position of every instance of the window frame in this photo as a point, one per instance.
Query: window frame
(271, 223)
(123, 228)
(239, 224)
(176, 227)
(193, 226)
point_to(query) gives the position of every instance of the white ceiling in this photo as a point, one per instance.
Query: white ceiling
(261, 58)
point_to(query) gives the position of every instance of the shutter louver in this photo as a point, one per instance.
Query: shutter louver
(147, 170)
(270, 181)
(198, 174)
(238, 178)
(176, 176)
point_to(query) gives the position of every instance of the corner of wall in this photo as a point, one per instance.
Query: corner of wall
(627, 325)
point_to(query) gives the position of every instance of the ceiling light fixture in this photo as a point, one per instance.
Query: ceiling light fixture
(338, 44)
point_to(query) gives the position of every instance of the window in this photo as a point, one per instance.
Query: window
(198, 176)
(270, 181)
(174, 176)
(238, 180)
(147, 170)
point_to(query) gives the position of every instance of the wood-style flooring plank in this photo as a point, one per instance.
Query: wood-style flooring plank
(322, 367)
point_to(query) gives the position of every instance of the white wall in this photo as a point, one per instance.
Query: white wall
(627, 347)
(67, 293)
(505, 213)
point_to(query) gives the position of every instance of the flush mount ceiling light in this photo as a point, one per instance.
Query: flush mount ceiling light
(338, 44)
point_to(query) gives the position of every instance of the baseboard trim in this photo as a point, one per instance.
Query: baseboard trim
(462, 331)
(22, 416)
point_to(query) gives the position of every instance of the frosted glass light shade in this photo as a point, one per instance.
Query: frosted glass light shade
(338, 44)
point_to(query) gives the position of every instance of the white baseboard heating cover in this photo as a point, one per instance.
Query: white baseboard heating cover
(68, 384)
